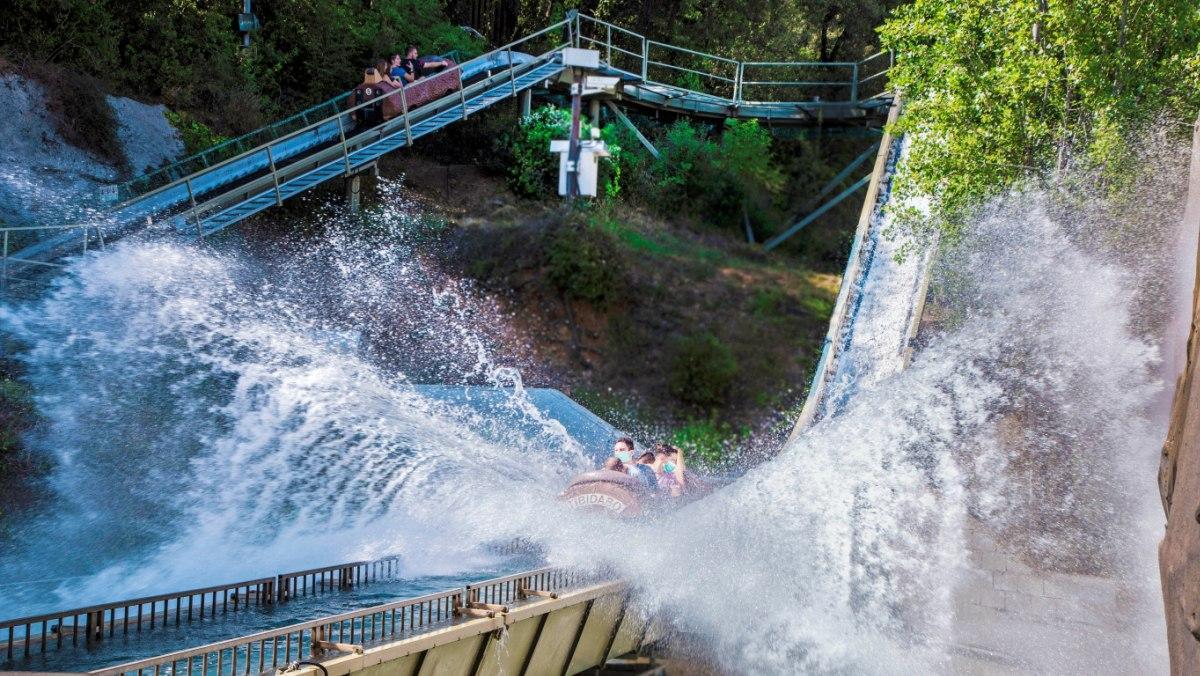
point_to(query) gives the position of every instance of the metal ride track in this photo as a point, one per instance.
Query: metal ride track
(203, 201)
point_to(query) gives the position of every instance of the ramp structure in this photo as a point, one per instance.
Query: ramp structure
(202, 195)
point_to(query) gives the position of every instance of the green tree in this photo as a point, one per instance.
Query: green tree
(187, 54)
(1000, 92)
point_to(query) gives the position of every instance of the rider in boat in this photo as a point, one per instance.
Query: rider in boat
(669, 468)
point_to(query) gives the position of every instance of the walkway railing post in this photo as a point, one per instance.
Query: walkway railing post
(512, 74)
(275, 177)
(195, 214)
(6, 283)
(738, 76)
(462, 97)
(345, 148)
(854, 84)
(645, 57)
(404, 109)
(608, 42)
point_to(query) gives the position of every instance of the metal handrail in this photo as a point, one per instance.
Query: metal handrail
(422, 112)
(516, 587)
(331, 118)
(432, 608)
(345, 631)
(366, 139)
(104, 618)
(693, 52)
(738, 81)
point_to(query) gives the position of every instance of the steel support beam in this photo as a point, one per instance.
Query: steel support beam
(837, 180)
(626, 121)
(786, 234)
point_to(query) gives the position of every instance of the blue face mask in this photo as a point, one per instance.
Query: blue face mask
(624, 456)
(668, 467)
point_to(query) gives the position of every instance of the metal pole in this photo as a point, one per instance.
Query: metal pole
(345, 149)
(573, 143)
(404, 109)
(6, 283)
(854, 84)
(738, 76)
(275, 177)
(462, 97)
(195, 216)
(512, 74)
(645, 57)
(608, 42)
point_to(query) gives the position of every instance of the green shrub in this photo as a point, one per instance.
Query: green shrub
(714, 180)
(769, 303)
(584, 263)
(706, 443)
(702, 370)
(196, 135)
(533, 170)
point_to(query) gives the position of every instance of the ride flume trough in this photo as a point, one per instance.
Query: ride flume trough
(217, 195)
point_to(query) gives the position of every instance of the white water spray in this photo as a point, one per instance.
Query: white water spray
(207, 423)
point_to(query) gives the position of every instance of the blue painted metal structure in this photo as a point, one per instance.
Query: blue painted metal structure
(654, 74)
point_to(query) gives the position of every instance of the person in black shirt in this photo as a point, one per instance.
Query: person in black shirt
(416, 66)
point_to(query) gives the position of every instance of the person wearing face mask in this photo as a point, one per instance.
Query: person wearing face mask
(623, 450)
(668, 466)
(633, 464)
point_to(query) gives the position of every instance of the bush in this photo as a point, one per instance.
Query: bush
(533, 170)
(196, 135)
(714, 180)
(80, 111)
(706, 442)
(702, 370)
(584, 263)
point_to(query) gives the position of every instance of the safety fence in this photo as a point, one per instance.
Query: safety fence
(352, 632)
(694, 73)
(15, 238)
(40, 633)
(233, 147)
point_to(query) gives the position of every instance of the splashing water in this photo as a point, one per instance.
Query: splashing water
(212, 417)
(207, 423)
(844, 552)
